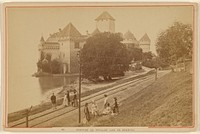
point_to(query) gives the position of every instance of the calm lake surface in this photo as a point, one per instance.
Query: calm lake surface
(33, 91)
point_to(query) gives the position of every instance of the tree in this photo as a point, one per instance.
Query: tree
(147, 56)
(175, 42)
(135, 53)
(104, 55)
(56, 66)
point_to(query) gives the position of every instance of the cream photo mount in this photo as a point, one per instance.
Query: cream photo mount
(46, 47)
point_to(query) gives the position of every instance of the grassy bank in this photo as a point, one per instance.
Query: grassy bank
(167, 102)
(47, 105)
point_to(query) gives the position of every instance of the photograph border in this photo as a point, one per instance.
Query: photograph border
(91, 4)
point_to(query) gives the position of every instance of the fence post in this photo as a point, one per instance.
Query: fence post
(27, 114)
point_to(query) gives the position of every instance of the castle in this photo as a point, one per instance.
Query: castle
(67, 42)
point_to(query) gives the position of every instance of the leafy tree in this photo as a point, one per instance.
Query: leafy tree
(56, 66)
(104, 55)
(135, 53)
(147, 56)
(175, 42)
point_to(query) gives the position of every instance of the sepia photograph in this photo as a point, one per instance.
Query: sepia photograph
(100, 66)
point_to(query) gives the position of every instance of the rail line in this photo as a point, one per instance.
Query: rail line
(112, 91)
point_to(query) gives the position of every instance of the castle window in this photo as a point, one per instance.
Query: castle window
(76, 45)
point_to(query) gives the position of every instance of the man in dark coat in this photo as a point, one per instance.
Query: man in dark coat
(68, 98)
(53, 101)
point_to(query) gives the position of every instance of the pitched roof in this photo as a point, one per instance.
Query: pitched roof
(104, 16)
(69, 31)
(145, 38)
(129, 35)
(96, 31)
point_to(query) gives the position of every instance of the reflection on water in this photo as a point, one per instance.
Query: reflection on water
(48, 83)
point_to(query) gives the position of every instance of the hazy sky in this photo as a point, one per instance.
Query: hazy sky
(27, 25)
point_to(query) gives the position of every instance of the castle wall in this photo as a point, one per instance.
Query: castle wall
(54, 53)
(145, 47)
(65, 54)
(112, 26)
(106, 26)
(74, 58)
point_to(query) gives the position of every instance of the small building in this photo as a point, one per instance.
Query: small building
(129, 40)
(144, 43)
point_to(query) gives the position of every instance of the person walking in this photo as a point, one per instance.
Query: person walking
(87, 113)
(53, 101)
(68, 98)
(75, 99)
(65, 101)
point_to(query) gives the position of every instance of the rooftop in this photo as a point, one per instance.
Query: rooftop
(129, 35)
(104, 16)
(68, 31)
(145, 38)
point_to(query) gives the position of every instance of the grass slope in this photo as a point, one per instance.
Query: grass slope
(167, 102)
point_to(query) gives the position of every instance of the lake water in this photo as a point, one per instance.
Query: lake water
(33, 91)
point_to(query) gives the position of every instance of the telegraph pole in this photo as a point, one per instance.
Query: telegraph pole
(79, 106)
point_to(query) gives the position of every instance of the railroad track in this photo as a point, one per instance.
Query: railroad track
(61, 111)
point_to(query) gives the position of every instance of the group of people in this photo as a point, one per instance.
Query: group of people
(67, 100)
(107, 109)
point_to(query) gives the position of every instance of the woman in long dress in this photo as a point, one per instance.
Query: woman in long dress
(65, 100)
(86, 112)
(116, 106)
(94, 109)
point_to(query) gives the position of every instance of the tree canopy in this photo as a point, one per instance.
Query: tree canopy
(175, 42)
(104, 55)
(135, 53)
(47, 65)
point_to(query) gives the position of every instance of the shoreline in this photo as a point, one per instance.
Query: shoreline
(93, 89)
(42, 74)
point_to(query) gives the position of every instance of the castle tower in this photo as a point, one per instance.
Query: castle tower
(105, 23)
(144, 43)
(40, 47)
(42, 41)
